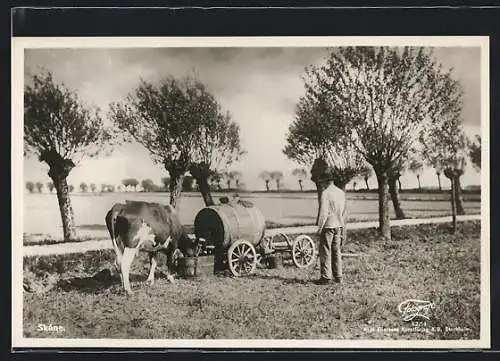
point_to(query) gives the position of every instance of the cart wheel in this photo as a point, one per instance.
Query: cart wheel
(303, 251)
(242, 258)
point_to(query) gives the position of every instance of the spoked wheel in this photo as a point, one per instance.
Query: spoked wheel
(303, 251)
(242, 258)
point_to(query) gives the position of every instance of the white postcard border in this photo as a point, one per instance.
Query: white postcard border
(18, 46)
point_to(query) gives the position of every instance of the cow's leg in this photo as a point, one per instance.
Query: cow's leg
(153, 263)
(170, 278)
(171, 250)
(110, 224)
(126, 262)
(119, 255)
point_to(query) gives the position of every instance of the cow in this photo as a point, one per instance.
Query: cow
(145, 226)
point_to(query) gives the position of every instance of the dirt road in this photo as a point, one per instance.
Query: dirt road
(105, 243)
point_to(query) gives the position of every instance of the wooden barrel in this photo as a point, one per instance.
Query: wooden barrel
(195, 266)
(223, 224)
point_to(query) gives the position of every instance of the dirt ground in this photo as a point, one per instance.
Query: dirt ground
(423, 262)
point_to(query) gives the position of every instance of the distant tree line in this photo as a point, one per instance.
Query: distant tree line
(148, 185)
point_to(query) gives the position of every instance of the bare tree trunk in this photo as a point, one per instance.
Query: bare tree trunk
(439, 181)
(267, 185)
(300, 185)
(383, 206)
(278, 185)
(175, 188)
(205, 191)
(453, 205)
(201, 173)
(399, 183)
(458, 196)
(59, 169)
(418, 179)
(65, 207)
(394, 192)
(366, 182)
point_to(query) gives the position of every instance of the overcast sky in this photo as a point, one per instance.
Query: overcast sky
(259, 86)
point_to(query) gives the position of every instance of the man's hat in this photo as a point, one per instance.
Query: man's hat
(325, 176)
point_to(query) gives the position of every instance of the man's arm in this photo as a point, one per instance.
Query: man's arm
(344, 222)
(323, 211)
(344, 212)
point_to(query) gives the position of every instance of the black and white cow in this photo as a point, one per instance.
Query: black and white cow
(150, 227)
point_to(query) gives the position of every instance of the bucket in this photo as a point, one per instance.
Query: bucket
(273, 261)
(195, 266)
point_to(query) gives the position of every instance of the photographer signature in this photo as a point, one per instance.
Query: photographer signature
(411, 309)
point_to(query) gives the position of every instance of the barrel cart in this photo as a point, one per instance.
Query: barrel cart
(235, 235)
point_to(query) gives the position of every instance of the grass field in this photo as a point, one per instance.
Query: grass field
(423, 262)
(42, 217)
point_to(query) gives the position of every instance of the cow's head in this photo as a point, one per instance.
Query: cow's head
(188, 245)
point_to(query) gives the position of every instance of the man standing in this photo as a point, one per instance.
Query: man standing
(331, 226)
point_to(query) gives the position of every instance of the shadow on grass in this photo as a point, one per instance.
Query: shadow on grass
(288, 280)
(101, 281)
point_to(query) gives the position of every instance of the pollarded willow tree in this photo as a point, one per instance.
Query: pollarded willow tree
(301, 175)
(445, 145)
(182, 126)
(61, 131)
(277, 177)
(385, 97)
(50, 186)
(475, 152)
(317, 136)
(417, 168)
(30, 186)
(365, 173)
(394, 181)
(266, 177)
(84, 187)
(235, 176)
(217, 146)
(439, 170)
(317, 139)
(215, 180)
(226, 179)
(394, 175)
(148, 185)
(39, 187)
